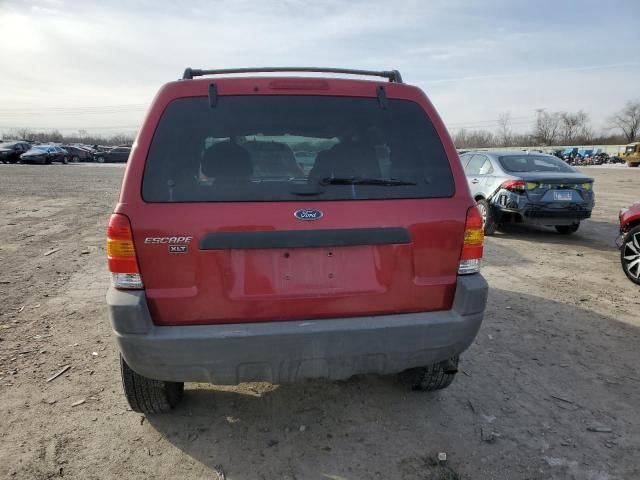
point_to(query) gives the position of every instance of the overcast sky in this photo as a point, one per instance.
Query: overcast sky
(71, 65)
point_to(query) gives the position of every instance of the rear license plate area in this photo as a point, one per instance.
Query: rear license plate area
(303, 272)
(563, 195)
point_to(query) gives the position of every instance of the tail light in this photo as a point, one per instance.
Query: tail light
(121, 254)
(519, 186)
(471, 255)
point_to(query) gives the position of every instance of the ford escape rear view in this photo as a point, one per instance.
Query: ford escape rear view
(284, 228)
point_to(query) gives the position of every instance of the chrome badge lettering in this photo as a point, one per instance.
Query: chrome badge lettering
(308, 214)
(167, 240)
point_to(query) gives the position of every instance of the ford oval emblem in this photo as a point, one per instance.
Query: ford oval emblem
(308, 214)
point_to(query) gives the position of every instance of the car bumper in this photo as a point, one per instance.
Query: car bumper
(290, 351)
(543, 213)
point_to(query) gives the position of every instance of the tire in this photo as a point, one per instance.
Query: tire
(431, 378)
(568, 229)
(630, 255)
(47, 161)
(75, 159)
(65, 160)
(149, 396)
(487, 217)
(100, 159)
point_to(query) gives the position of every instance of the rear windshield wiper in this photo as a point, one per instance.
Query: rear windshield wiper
(363, 181)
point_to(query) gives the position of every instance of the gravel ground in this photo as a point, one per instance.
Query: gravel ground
(549, 389)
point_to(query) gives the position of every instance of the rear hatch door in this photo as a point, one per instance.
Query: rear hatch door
(372, 225)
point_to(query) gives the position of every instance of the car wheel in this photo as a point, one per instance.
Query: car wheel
(568, 229)
(630, 254)
(47, 161)
(487, 217)
(100, 159)
(65, 160)
(432, 377)
(146, 395)
(75, 159)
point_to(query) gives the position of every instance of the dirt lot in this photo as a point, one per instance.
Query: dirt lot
(550, 388)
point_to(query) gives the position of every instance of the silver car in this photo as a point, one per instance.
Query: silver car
(530, 188)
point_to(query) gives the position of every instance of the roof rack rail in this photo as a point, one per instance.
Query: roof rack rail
(392, 75)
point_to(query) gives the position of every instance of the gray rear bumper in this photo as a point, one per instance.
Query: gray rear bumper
(286, 352)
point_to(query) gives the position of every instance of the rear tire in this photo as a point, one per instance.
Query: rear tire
(100, 159)
(487, 217)
(630, 254)
(568, 229)
(149, 396)
(432, 377)
(75, 159)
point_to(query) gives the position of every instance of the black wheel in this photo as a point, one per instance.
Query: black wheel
(487, 217)
(47, 161)
(630, 254)
(432, 377)
(146, 395)
(75, 159)
(65, 160)
(100, 159)
(568, 229)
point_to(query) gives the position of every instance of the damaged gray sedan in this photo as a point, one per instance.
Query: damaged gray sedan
(529, 188)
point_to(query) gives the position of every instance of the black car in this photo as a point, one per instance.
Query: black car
(117, 154)
(78, 154)
(44, 154)
(10, 151)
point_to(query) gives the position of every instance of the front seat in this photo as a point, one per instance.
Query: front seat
(345, 160)
(227, 162)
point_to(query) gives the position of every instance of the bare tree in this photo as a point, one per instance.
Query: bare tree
(572, 125)
(504, 133)
(22, 133)
(628, 120)
(474, 139)
(547, 127)
(460, 138)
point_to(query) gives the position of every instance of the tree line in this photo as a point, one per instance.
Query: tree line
(550, 128)
(82, 137)
(556, 128)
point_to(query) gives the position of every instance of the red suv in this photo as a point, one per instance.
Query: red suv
(283, 228)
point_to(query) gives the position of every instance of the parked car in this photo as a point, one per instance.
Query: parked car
(116, 154)
(10, 151)
(225, 273)
(520, 187)
(44, 154)
(629, 241)
(78, 154)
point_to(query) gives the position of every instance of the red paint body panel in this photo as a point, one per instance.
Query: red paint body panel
(630, 216)
(232, 286)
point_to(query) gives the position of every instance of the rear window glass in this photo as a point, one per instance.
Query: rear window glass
(534, 163)
(282, 148)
